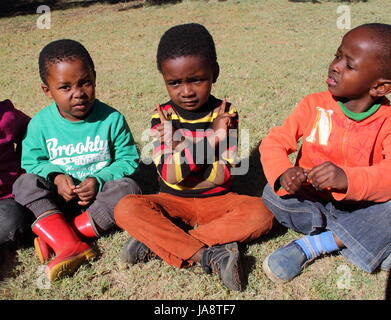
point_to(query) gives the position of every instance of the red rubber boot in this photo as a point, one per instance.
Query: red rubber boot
(83, 226)
(70, 251)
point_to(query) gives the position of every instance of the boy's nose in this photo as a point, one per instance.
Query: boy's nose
(334, 67)
(187, 90)
(78, 92)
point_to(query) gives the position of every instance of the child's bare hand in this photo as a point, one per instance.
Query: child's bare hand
(222, 122)
(327, 176)
(65, 186)
(87, 190)
(164, 131)
(293, 178)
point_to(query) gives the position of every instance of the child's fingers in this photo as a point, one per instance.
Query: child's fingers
(321, 180)
(86, 196)
(223, 105)
(318, 169)
(68, 197)
(83, 203)
(161, 114)
(81, 189)
(69, 182)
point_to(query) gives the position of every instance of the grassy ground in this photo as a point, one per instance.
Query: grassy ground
(271, 53)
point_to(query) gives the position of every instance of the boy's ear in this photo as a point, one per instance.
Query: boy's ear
(46, 90)
(216, 72)
(381, 88)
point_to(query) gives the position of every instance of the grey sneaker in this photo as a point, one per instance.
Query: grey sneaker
(386, 264)
(285, 263)
(224, 260)
(135, 251)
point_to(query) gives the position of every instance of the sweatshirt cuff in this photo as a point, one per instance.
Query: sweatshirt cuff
(101, 178)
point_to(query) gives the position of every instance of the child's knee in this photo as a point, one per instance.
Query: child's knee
(261, 216)
(128, 206)
(29, 187)
(26, 180)
(122, 187)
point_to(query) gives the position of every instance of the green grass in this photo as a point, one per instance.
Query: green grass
(271, 54)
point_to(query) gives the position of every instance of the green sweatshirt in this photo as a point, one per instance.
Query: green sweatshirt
(99, 146)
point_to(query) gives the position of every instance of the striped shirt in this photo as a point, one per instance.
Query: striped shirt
(195, 168)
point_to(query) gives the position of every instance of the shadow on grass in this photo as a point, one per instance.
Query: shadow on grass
(8, 253)
(10, 8)
(147, 178)
(253, 182)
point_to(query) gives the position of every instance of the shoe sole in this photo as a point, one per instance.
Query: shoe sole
(234, 267)
(269, 272)
(42, 257)
(70, 265)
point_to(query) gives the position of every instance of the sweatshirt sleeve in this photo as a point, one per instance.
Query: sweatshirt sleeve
(35, 157)
(281, 142)
(124, 154)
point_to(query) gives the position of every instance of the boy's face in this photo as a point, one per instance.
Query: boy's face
(189, 80)
(354, 70)
(71, 84)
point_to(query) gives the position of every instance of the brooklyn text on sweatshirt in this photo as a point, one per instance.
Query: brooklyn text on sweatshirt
(99, 146)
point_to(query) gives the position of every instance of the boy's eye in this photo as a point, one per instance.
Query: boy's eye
(65, 88)
(349, 66)
(173, 83)
(196, 80)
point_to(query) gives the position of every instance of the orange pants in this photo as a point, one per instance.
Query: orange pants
(152, 219)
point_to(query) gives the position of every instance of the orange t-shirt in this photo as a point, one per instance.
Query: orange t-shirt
(361, 148)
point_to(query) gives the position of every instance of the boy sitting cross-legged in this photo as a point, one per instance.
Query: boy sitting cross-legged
(339, 190)
(193, 152)
(78, 153)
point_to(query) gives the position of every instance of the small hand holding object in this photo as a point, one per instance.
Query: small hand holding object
(222, 122)
(65, 186)
(293, 178)
(87, 191)
(328, 176)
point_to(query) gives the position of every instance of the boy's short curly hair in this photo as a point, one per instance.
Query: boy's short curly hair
(191, 39)
(382, 34)
(62, 50)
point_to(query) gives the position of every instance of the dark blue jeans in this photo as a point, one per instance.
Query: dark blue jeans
(363, 227)
(14, 220)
